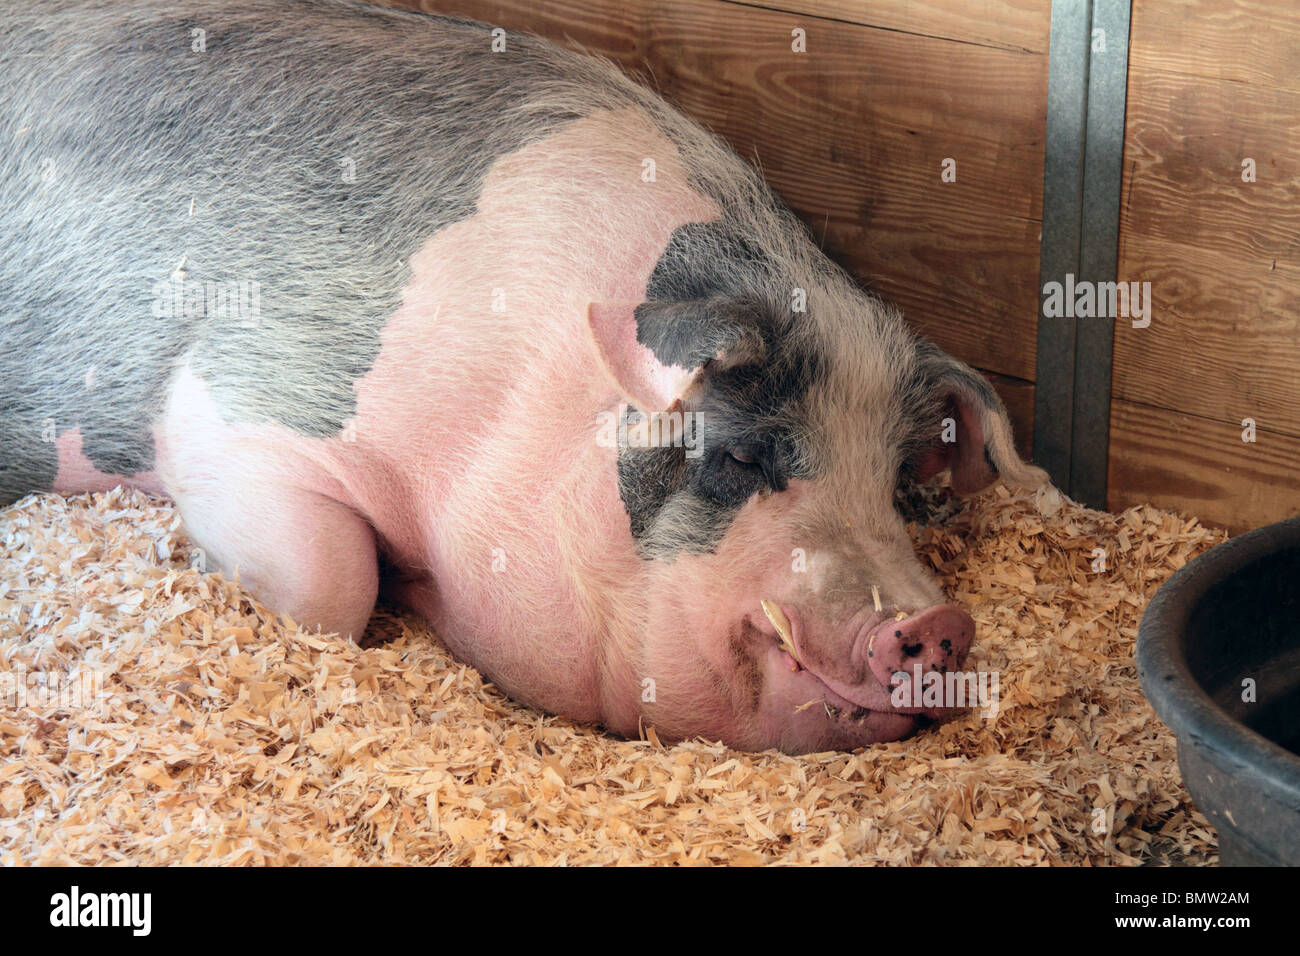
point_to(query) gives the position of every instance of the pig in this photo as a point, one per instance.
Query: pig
(403, 306)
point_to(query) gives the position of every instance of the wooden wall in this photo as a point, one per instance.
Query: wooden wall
(853, 134)
(1211, 83)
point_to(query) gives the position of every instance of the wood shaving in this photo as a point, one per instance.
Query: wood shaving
(782, 624)
(210, 730)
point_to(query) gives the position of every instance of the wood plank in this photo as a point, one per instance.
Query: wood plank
(852, 135)
(863, 113)
(1022, 25)
(971, 290)
(1201, 467)
(613, 29)
(1185, 142)
(1014, 25)
(1243, 41)
(1224, 339)
(1211, 82)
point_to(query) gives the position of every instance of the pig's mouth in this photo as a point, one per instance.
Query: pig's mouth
(861, 703)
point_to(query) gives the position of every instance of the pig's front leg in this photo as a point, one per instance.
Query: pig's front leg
(257, 501)
(297, 551)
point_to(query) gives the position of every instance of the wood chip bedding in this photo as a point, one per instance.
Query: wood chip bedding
(151, 714)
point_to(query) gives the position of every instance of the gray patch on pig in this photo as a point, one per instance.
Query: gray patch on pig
(112, 126)
(688, 334)
(647, 477)
(684, 504)
(936, 379)
(707, 259)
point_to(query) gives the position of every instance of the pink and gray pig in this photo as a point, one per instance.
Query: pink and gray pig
(397, 305)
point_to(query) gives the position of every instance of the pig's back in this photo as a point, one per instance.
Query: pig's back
(250, 209)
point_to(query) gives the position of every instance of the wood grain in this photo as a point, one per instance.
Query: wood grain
(1242, 41)
(1021, 25)
(1224, 339)
(981, 308)
(864, 111)
(1211, 82)
(1201, 467)
(1185, 142)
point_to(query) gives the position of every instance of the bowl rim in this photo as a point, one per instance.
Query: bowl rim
(1178, 698)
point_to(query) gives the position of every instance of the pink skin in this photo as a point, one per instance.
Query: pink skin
(471, 460)
(471, 463)
(77, 474)
(849, 649)
(937, 639)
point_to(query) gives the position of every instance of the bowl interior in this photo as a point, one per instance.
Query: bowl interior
(1246, 627)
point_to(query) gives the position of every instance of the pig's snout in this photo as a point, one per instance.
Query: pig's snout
(937, 640)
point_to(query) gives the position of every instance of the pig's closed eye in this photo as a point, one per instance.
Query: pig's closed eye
(721, 477)
(756, 460)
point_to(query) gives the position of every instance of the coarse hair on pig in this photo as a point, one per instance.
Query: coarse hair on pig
(374, 174)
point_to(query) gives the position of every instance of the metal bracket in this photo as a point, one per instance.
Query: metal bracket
(1082, 174)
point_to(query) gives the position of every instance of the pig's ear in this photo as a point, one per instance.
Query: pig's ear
(974, 437)
(656, 351)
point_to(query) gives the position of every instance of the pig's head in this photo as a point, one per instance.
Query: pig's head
(780, 595)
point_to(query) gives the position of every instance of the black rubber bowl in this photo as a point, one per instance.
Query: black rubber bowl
(1232, 616)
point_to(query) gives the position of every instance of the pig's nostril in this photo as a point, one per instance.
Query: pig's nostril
(931, 641)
